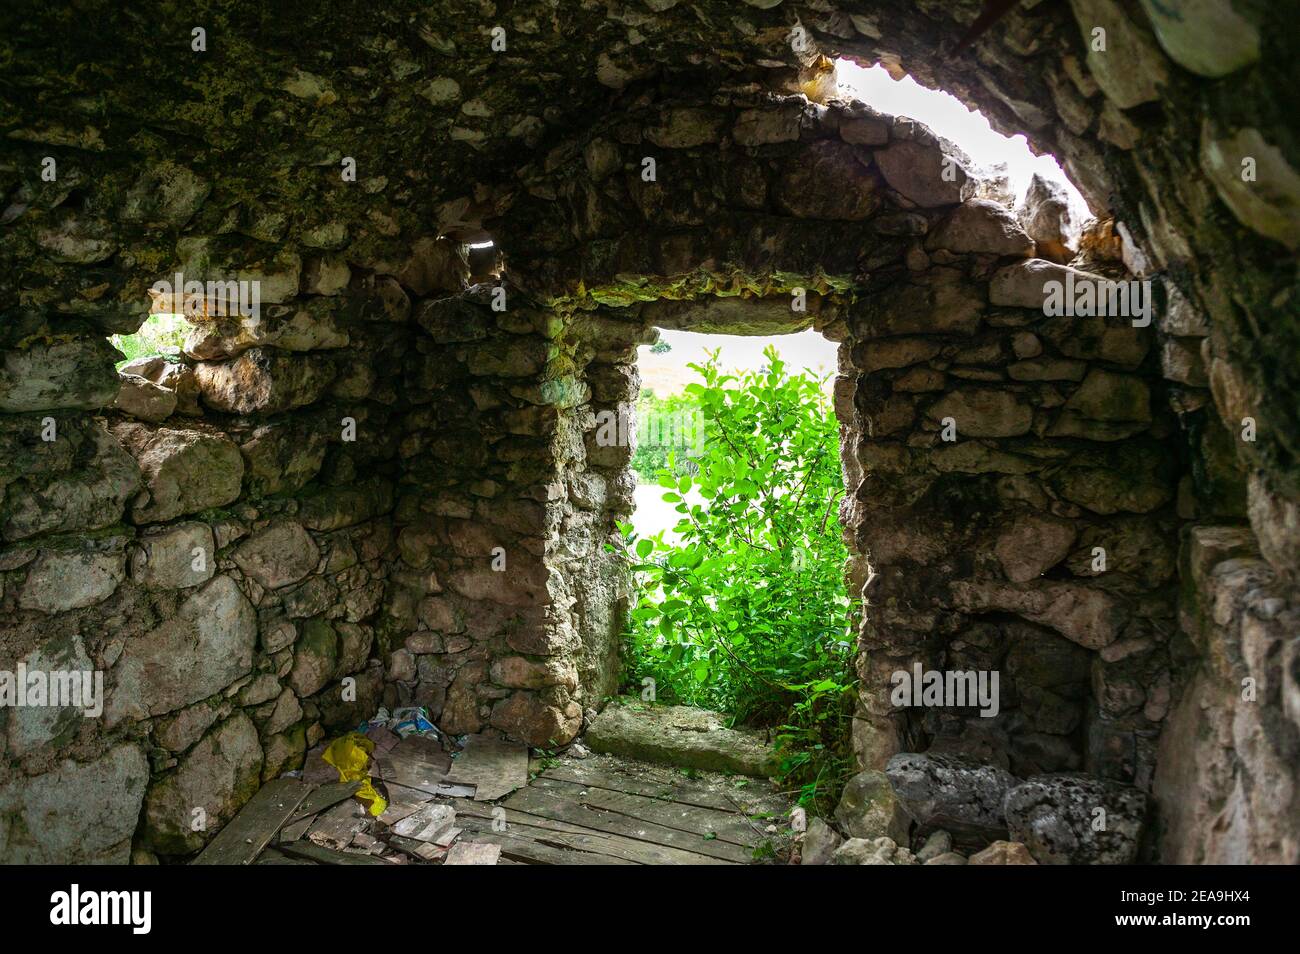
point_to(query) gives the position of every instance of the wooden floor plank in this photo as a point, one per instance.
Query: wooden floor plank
(566, 834)
(249, 832)
(537, 802)
(520, 848)
(326, 856)
(323, 797)
(726, 826)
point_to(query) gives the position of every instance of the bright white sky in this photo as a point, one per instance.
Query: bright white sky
(668, 374)
(946, 115)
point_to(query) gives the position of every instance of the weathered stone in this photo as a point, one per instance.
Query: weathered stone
(34, 726)
(939, 843)
(218, 775)
(1276, 522)
(435, 265)
(963, 798)
(1003, 853)
(1208, 37)
(62, 580)
(1087, 616)
(178, 732)
(818, 844)
(264, 381)
(1032, 545)
(941, 302)
(281, 554)
(144, 400)
(1129, 66)
(1269, 202)
(284, 455)
(924, 174)
(1124, 477)
(874, 851)
(69, 375)
(315, 658)
(982, 227)
(184, 471)
(686, 127)
(312, 327)
(526, 716)
(176, 557)
(165, 196)
(1076, 819)
(983, 412)
(1046, 216)
(206, 646)
(677, 735)
(78, 813)
(517, 672)
(869, 809)
(761, 127)
(78, 482)
(832, 182)
(1106, 407)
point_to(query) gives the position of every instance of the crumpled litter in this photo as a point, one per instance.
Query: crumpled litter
(406, 721)
(350, 756)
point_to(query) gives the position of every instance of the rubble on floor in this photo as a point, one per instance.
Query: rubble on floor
(488, 804)
(944, 810)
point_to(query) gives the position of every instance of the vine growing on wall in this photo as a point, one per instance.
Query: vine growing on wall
(746, 610)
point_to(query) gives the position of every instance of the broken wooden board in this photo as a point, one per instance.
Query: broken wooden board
(426, 750)
(413, 768)
(323, 797)
(402, 801)
(316, 771)
(423, 850)
(336, 827)
(326, 856)
(249, 832)
(428, 823)
(384, 738)
(471, 853)
(495, 767)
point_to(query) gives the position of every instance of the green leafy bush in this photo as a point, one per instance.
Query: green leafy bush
(747, 612)
(161, 334)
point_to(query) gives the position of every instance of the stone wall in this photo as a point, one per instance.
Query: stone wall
(213, 533)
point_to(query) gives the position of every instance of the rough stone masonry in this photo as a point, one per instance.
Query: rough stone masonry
(384, 486)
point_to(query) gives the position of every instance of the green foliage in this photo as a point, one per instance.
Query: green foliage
(161, 334)
(747, 613)
(662, 423)
(660, 347)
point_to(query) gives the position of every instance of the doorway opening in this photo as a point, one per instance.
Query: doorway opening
(740, 603)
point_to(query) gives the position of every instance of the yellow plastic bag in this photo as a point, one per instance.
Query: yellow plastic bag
(350, 755)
